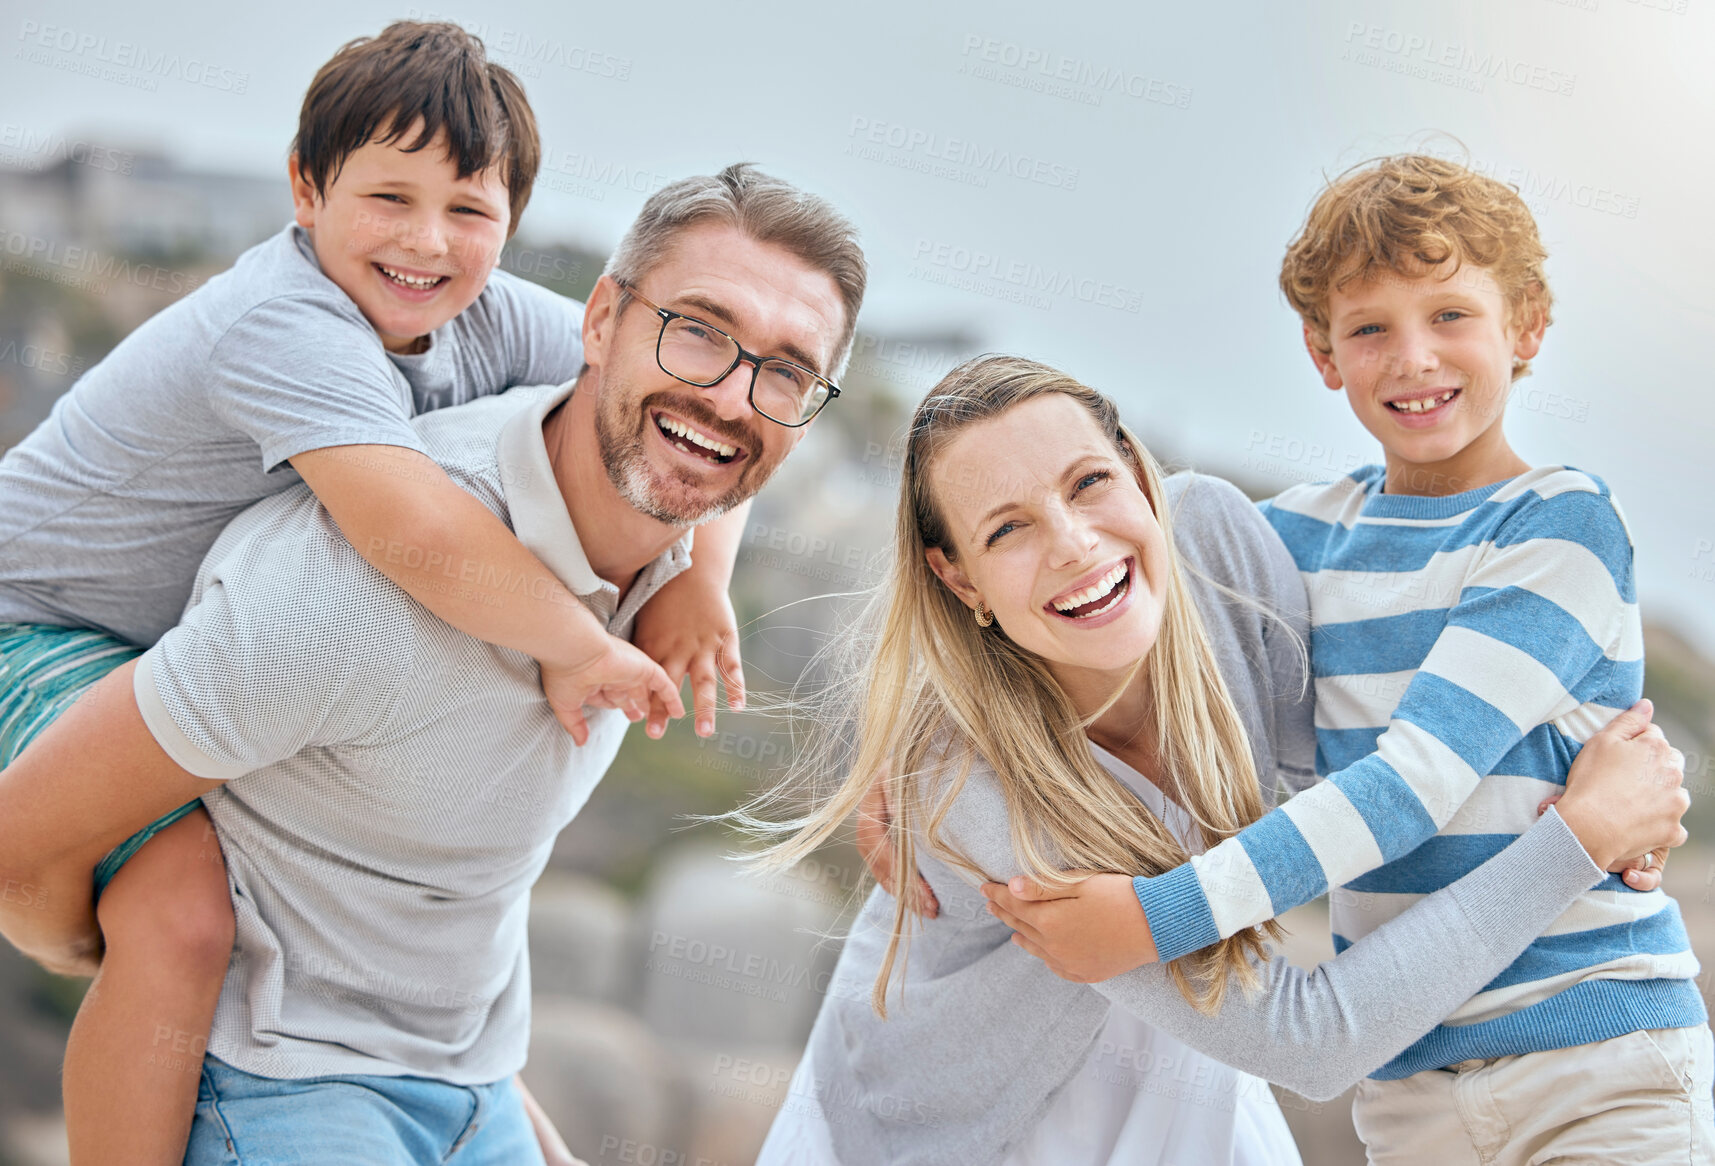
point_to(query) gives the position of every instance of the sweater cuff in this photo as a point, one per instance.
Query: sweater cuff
(1544, 872)
(1178, 912)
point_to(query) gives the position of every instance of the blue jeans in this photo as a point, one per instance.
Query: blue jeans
(246, 1120)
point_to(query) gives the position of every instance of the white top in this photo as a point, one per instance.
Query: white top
(1141, 1099)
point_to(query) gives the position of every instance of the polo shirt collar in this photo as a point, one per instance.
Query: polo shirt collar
(539, 516)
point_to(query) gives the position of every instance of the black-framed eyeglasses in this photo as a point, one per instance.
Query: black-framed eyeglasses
(700, 354)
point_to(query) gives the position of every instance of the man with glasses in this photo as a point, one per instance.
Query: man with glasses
(386, 789)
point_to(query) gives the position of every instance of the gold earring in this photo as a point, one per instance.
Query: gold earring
(985, 617)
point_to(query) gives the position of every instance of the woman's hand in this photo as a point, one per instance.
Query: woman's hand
(1625, 795)
(1092, 931)
(1642, 873)
(873, 843)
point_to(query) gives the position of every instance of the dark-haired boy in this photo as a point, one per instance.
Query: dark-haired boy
(308, 359)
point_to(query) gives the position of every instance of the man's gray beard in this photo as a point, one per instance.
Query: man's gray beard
(627, 465)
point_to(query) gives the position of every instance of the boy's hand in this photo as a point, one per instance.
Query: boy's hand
(873, 843)
(618, 676)
(689, 628)
(1625, 796)
(1086, 933)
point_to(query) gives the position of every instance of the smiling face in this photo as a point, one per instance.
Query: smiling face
(683, 454)
(408, 240)
(1426, 364)
(1052, 532)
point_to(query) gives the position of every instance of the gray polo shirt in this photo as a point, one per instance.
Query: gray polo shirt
(395, 785)
(108, 507)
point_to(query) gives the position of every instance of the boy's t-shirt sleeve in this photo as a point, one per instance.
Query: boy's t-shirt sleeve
(1541, 610)
(265, 664)
(298, 373)
(540, 331)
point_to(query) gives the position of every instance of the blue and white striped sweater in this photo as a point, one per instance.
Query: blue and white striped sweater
(1463, 648)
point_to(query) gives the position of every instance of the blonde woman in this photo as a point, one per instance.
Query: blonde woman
(1052, 680)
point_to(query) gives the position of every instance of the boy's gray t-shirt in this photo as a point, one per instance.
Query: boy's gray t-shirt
(108, 508)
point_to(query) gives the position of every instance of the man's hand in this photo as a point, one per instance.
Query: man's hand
(615, 676)
(688, 627)
(1086, 933)
(874, 817)
(1625, 795)
(554, 1149)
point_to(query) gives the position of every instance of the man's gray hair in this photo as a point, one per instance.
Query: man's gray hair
(769, 210)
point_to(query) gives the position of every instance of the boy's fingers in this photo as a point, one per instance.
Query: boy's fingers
(1031, 891)
(703, 693)
(657, 724)
(664, 690)
(573, 722)
(1019, 922)
(732, 672)
(1011, 905)
(1036, 950)
(1005, 915)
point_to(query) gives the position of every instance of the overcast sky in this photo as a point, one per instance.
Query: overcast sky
(1139, 167)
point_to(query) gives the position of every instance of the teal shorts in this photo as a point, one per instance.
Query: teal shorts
(43, 669)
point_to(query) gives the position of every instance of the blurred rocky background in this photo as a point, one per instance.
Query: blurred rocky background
(673, 995)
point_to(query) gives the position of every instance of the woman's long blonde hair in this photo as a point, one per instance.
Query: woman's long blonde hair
(920, 690)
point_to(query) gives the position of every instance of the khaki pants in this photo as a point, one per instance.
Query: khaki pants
(1639, 1099)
